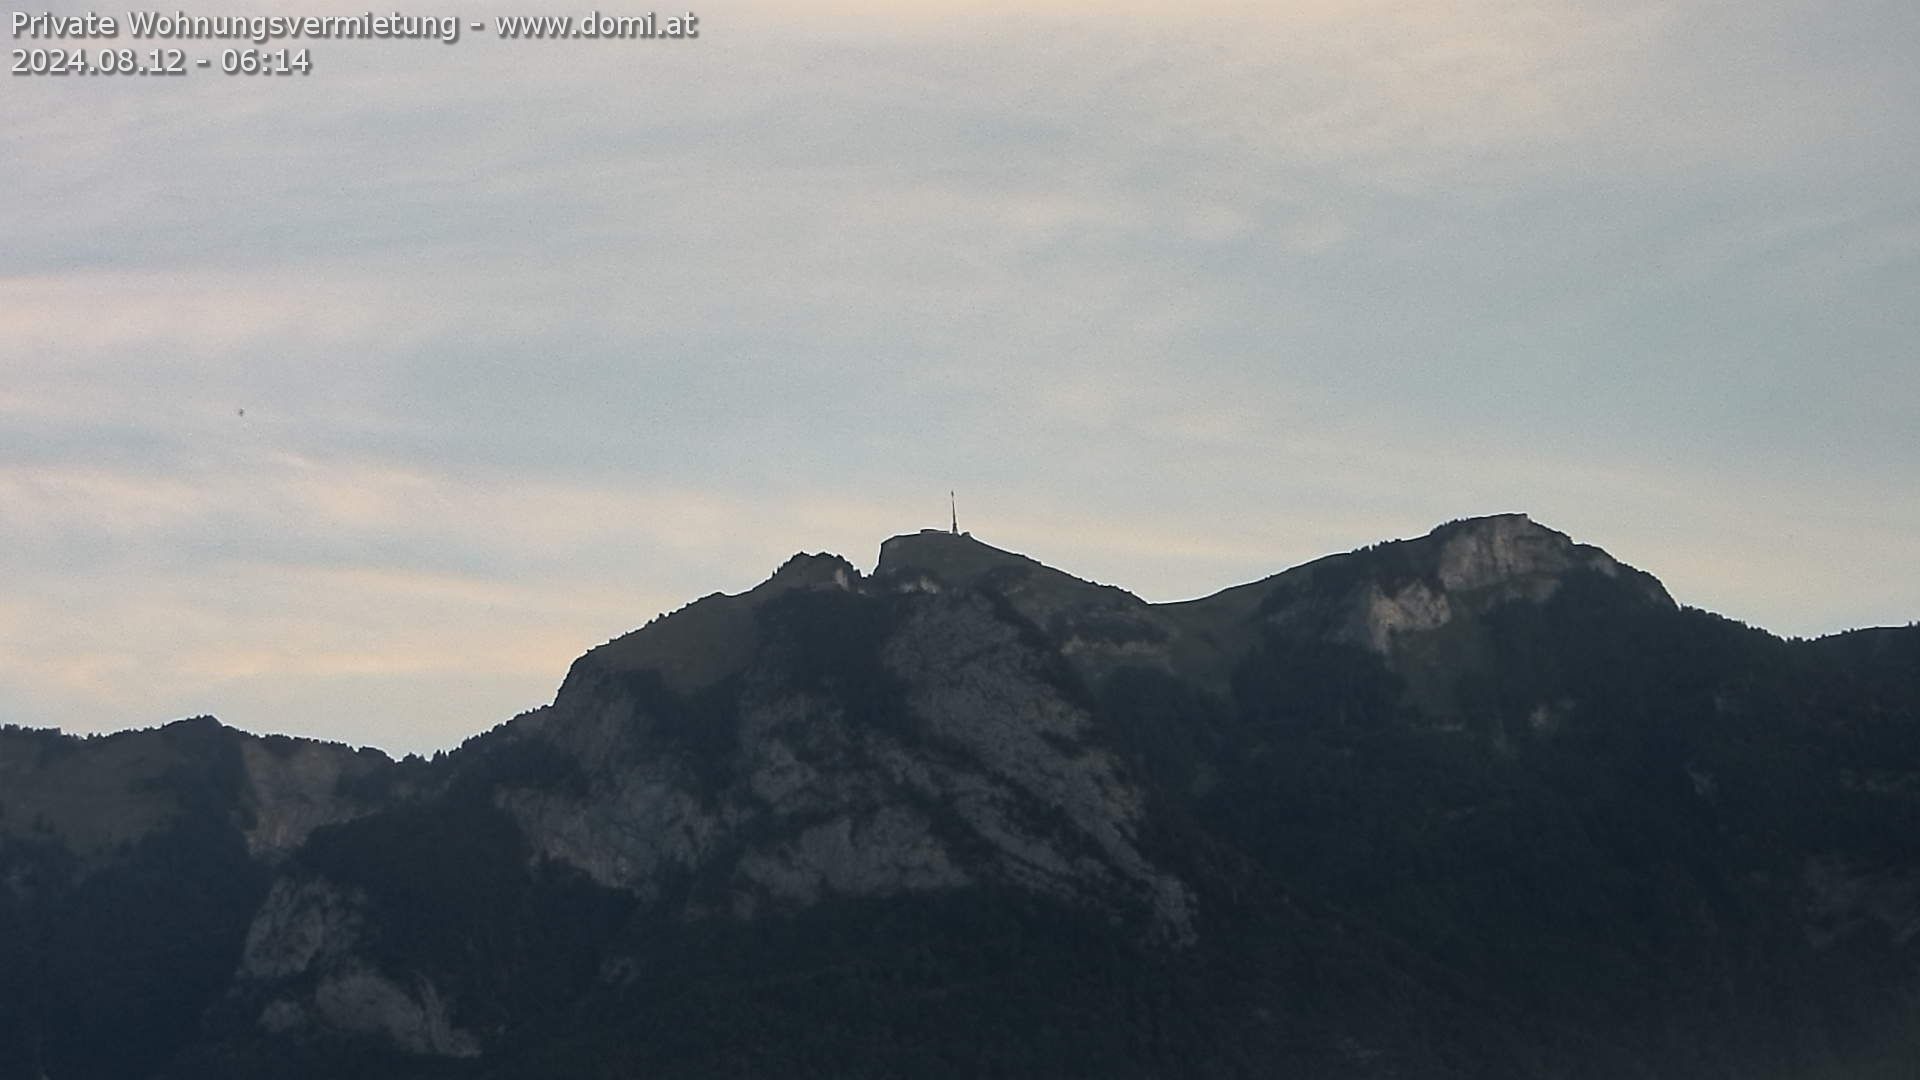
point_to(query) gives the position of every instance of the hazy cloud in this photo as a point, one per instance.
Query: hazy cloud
(534, 341)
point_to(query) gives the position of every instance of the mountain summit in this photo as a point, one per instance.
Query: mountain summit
(1485, 802)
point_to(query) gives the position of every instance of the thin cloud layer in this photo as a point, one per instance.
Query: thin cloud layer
(536, 340)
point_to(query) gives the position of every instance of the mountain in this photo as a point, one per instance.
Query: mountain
(1484, 803)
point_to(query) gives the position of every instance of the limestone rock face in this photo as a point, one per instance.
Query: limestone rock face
(1462, 569)
(948, 755)
(1379, 618)
(304, 959)
(296, 786)
(1035, 779)
(304, 922)
(1498, 551)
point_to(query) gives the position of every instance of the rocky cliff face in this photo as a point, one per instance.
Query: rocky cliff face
(933, 748)
(1239, 829)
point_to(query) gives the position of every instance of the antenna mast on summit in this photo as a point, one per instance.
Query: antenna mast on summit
(953, 505)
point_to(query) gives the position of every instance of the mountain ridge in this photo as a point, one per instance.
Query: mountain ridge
(1485, 802)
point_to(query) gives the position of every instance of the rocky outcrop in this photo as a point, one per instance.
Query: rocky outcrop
(305, 970)
(976, 769)
(294, 786)
(305, 923)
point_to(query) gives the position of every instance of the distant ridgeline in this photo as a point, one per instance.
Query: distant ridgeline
(1485, 803)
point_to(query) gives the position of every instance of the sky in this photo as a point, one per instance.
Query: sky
(356, 405)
